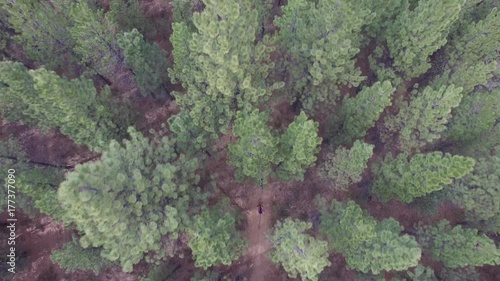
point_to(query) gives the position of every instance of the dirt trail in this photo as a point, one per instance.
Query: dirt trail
(258, 227)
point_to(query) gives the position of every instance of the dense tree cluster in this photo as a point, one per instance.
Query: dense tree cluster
(147, 61)
(49, 101)
(368, 246)
(457, 246)
(143, 187)
(383, 100)
(298, 252)
(214, 239)
(258, 148)
(405, 178)
(322, 40)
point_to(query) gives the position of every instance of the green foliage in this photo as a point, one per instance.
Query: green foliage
(189, 136)
(360, 113)
(214, 239)
(468, 62)
(73, 257)
(345, 225)
(39, 186)
(457, 246)
(4, 26)
(147, 61)
(479, 194)
(381, 66)
(416, 34)
(476, 114)
(162, 272)
(406, 179)
(221, 65)
(466, 76)
(367, 245)
(298, 147)
(460, 274)
(36, 185)
(385, 251)
(482, 146)
(41, 31)
(95, 37)
(425, 117)
(386, 13)
(420, 273)
(345, 166)
(131, 198)
(256, 148)
(298, 253)
(16, 88)
(182, 11)
(322, 39)
(127, 15)
(182, 68)
(42, 97)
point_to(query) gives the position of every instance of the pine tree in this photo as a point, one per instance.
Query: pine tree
(386, 251)
(345, 166)
(214, 239)
(127, 15)
(190, 137)
(345, 225)
(16, 89)
(406, 179)
(322, 39)
(416, 34)
(476, 114)
(4, 30)
(135, 195)
(147, 61)
(42, 97)
(182, 70)
(36, 185)
(422, 120)
(386, 13)
(457, 246)
(469, 54)
(182, 11)
(221, 66)
(479, 194)
(297, 148)
(41, 31)
(360, 113)
(256, 148)
(73, 257)
(367, 245)
(298, 253)
(95, 37)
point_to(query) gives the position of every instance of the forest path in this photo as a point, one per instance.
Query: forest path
(258, 227)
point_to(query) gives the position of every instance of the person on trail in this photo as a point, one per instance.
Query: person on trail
(261, 210)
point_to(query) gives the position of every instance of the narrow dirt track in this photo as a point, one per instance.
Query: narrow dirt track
(258, 227)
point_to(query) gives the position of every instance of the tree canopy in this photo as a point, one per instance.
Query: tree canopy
(143, 187)
(405, 178)
(298, 252)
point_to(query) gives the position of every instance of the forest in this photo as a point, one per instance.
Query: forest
(250, 140)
